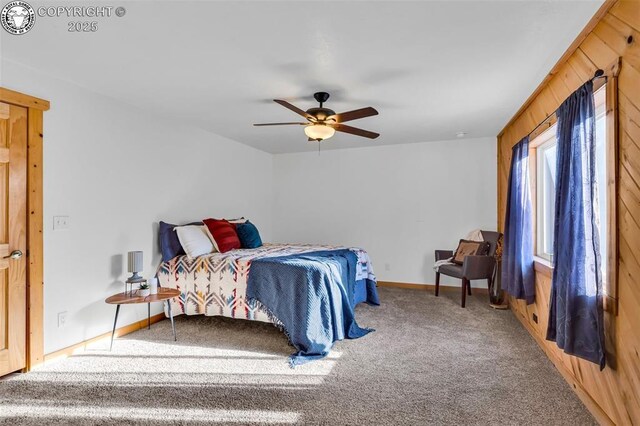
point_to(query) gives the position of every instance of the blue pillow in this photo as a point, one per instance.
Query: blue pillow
(248, 235)
(170, 246)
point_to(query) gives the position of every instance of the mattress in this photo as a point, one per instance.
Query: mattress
(215, 284)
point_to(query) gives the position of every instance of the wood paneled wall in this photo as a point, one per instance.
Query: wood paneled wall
(612, 395)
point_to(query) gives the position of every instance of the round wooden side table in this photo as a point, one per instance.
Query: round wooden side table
(165, 294)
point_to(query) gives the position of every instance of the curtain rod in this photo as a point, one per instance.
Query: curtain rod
(598, 74)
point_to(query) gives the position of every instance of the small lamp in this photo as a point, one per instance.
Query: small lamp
(134, 264)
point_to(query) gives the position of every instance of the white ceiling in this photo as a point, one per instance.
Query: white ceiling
(431, 69)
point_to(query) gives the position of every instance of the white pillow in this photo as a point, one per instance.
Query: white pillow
(194, 240)
(238, 220)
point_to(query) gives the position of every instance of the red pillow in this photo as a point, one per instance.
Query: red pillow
(224, 234)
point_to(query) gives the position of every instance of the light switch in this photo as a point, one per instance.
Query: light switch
(60, 222)
(62, 319)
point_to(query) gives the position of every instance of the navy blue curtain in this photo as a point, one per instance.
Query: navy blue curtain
(517, 256)
(575, 315)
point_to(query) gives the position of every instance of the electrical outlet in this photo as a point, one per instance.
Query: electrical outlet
(387, 267)
(60, 222)
(62, 319)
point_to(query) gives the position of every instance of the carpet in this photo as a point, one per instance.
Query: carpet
(428, 362)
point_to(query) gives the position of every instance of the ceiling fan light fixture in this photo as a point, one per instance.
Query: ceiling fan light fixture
(319, 132)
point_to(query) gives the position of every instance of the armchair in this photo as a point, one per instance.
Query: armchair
(472, 268)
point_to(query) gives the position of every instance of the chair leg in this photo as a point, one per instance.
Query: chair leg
(437, 283)
(469, 288)
(464, 292)
(489, 283)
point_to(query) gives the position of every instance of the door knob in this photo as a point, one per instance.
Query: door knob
(16, 254)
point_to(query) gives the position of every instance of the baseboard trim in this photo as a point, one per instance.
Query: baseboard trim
(577, 387)
(82, 346)
(428, 287)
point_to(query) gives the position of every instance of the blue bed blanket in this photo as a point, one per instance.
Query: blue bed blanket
(311, 296)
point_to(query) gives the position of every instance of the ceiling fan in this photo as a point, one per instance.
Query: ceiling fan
(322, 123)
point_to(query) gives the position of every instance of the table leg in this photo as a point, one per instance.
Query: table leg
(114, 326)
(148, 316)
(173, 325)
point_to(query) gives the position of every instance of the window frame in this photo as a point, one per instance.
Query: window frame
(543, 140)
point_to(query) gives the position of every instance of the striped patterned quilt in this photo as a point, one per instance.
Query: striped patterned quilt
(216, 284)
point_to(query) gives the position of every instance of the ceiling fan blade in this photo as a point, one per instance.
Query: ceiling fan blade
(354, 131)
(294, 109)
(353, 115)
(280, 124)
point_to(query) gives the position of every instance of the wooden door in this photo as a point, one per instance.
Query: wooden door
(13, 218)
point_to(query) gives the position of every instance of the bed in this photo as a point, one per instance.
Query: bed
(217, 284)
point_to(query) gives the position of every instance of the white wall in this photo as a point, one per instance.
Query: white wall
(116, 171)
(398, 202)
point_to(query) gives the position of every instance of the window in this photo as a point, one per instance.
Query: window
(544, 156)
(546, 191)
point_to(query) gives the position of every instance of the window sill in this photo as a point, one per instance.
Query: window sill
(542, 266)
